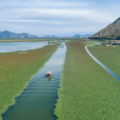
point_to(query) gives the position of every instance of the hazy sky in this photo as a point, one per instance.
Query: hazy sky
(58, 17)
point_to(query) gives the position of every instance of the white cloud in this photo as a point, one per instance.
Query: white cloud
(70, 15)
(43, 3)
(45, 14)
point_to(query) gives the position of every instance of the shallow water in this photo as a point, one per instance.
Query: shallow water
(38, 99)
(108, 70)
(21, 46)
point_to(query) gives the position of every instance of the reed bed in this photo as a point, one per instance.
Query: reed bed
(16, 69)
(88, 92)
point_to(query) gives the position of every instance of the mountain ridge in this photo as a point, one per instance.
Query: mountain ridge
(80, 36)
(112, 31)
(11, 35)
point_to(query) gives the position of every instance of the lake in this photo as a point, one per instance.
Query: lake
(21, 46)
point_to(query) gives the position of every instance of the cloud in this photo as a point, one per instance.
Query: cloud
(45, 14)
(40, 11)
(43, 3)
(70, 16)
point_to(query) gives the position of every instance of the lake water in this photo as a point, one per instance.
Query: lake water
(21, 46)
(37, 102)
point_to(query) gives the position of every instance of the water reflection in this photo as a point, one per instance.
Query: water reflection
(38, 99)
(21, 46)
(55, 63)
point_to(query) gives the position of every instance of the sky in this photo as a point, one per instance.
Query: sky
(57, 17)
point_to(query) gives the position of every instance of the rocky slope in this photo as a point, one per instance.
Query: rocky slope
(112, 31)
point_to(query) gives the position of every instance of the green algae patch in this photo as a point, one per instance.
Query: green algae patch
(16, 69)
(109, 56)
(88, 92)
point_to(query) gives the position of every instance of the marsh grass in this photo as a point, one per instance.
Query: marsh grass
(16, 69)
(87, 91)
(25, 40)
(109, 56)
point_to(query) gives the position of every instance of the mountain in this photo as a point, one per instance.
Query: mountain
(112, 31)
(77, 36)
(87, 35)
(80, 36)
(10, 35)
(49, 36)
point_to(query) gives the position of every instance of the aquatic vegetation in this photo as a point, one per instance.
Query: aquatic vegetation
(38, 99)
(16, 69)
(35, 40)
(109, 56)
(88, 92)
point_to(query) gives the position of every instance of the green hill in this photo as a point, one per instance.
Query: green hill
(112, 31)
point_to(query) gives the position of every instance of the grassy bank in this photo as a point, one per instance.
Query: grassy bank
(26, 40)
(41, 39)
(109, 56)
(87, 91)
(16, 69)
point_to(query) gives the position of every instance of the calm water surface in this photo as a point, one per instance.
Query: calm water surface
(38, 99)
(21, 46)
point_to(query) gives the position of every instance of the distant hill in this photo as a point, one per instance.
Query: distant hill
(87, 35)
(77, 36)
(80, 36)
(74, 36)
(10, 35)
(49, 36)
(112, 31)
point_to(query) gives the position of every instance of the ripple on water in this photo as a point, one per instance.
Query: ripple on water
(37, 102)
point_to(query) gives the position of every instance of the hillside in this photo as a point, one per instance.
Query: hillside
(80, 36)
(10, 35)
(112, 31)
(49, 36)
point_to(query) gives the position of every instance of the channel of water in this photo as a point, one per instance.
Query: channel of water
(37, 102)
(95, 59)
